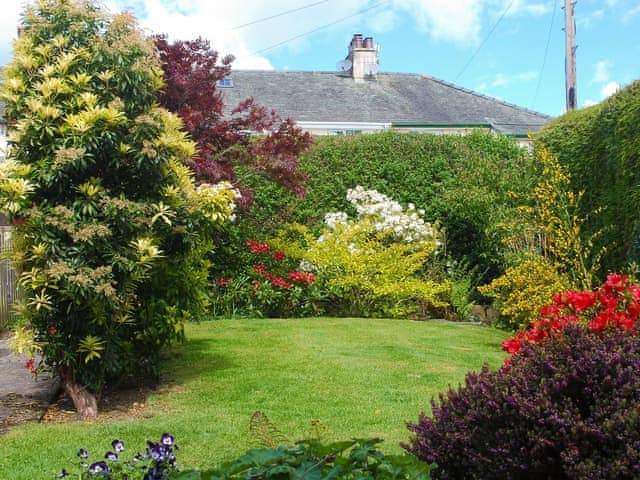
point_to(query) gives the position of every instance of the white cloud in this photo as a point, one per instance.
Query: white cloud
(522, 7)
(383, 21)
(609, 89)
(631, 13)
(8, 26)
(589, 103)
(602, 71)
(587, 20)
(445, 20)
(502, 80)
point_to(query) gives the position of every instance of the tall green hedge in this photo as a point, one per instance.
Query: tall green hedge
(460, 181)
(601, 147)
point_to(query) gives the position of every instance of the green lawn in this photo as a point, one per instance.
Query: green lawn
(360, 377)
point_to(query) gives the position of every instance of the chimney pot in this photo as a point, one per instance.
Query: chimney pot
(363, 56)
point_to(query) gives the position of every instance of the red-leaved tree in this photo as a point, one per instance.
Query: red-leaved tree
(191, 70)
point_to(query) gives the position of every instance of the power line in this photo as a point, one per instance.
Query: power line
(270, 47)
(546, 51)
(484, 41)
(280, 14)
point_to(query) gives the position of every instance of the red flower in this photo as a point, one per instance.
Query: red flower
(280, 282)
(512, 346)
(52, 330)
(31, 365)
(259, 268)
(278, 255)
(222, 282)
(256, 247)
(304, 278)
(580, 300)
(615, 283)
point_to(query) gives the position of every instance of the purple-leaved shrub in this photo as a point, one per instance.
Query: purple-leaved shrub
(567, 407)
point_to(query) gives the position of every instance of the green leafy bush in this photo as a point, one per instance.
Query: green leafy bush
(313, 460)
(111, 231)
(600, 147)
(462, 182)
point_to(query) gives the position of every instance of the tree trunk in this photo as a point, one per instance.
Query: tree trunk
(85, 402)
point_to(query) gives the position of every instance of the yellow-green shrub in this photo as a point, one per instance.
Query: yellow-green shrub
(368, 267)
(524, 289)
(548, 252)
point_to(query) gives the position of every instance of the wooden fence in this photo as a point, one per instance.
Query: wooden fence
(8, 279)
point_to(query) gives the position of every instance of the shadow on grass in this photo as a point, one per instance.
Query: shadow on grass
(188, 360)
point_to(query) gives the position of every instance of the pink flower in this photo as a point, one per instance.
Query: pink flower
(278, 255)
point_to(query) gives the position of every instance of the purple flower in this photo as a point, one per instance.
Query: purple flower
(118, 446)
(154, 473)
(158, 453)
(62, 474)
(83, 453)
(99, 468)
(167, 439)
(111, 456)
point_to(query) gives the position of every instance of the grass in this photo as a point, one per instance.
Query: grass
(359, 377)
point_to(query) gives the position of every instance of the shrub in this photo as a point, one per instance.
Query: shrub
(110, 229)
(523, 290)
(600, 148)
(371, 265)
(462, 182)
(565, 406)
(547, 251)
(615, 304)
(271, 286)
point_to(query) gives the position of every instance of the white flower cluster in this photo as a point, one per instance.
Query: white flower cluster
(334, 218)
(387, 216)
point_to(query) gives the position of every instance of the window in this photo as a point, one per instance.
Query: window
(225, 83)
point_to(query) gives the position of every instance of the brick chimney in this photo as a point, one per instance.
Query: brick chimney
(363, 56)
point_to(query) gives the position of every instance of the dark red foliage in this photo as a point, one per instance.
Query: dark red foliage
(191, 71)
(566, 407)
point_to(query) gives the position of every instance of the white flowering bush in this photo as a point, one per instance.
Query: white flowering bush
(372, 265)
(388, 217)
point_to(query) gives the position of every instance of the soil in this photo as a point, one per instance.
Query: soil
(25, 398)
(124, 403)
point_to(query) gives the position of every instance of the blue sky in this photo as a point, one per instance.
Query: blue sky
(494, 47)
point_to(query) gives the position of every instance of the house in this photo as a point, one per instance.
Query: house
(359, 99)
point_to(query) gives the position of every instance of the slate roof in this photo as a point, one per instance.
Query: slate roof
(392, 97)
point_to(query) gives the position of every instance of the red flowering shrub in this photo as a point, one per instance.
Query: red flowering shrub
(565, 408)
(271, 287)
(615, 304)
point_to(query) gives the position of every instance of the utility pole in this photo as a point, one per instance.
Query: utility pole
(570, 55)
